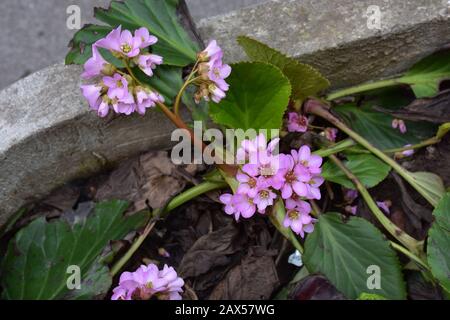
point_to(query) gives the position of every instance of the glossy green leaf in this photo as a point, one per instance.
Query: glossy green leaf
(376, 127)
(370, 296)
(345, 252)
(425, 76)
(305, 80)
(369, 169)
(439, 243)
(36, 263)
(257, 99)
(160, 17)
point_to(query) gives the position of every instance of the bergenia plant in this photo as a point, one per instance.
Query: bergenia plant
(304, 158)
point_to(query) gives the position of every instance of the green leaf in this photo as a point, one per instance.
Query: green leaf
(376, 127)
(343, 252)
(305, 80)
(257, 99)
(370, 296)
(439, 243)
(160, 17)
(36, 262)
(369, 169)
(431, 184)
(425, 76)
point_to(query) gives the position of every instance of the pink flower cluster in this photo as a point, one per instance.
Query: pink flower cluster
(213, 73)
(113, 88)
(266, 176)
(148, 282)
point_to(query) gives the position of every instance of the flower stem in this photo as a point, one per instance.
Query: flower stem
(422, 144)
(176, 106)
(173, 204)
(335, 148)
(362, 88)
(408, 241)
(316, 107)
(410, 255)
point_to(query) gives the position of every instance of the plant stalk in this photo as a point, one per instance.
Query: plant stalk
(362, 88)
(173, 204)
(412, 244)
(315, 107)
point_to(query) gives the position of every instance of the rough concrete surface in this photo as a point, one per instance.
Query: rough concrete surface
(338, 37)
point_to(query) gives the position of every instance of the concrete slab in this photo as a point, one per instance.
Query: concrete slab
(344, 39)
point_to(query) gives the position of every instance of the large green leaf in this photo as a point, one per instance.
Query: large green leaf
(425, 76)
(376, 127)
(305, 80)
(439, 243)
(343, 252)
(257, 99)
(369, 169)
(36, 262)
(158, 16)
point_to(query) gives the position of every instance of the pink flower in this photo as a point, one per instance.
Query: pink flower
(385, 206)
(351, 209)
(247, 184)
(95, 65)
(211, 51)
(264, 197)
(244, 206)
(291, 177)
(145, 98)
(294, 201)
(148, 281)
(172, 284)
(408, 153)
(148, 62)
(331, 134)
(216, 93)
(92, 93)
(299, 220)
(350, 195)
(297, 123)
(400, 124)
(218, 72)
(238, 205)
(117, 86)
(313, 188)
(227, 200)
(311, 161)
(213, 73)
(250, 150)
(122, 42)
(145, 38)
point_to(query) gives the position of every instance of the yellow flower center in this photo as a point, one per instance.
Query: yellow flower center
(125, 48)
(293, 215)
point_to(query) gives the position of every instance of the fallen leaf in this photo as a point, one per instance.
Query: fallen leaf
(255, 278)
(148, 181)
